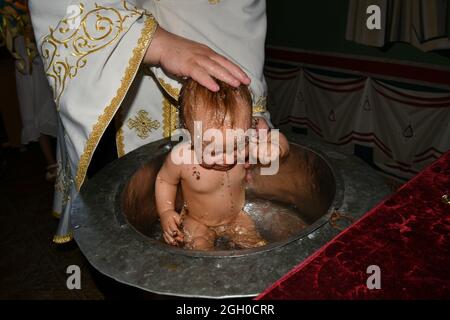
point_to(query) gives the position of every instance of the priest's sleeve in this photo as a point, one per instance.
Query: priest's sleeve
(92, 51)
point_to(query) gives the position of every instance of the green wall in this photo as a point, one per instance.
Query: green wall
(320, 25)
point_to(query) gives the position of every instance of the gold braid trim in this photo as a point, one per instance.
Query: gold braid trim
(260, 105)
(56, 214)
(170, 112)
(170, 118)
(170, 90)
(109, 112)
(63, 239)
(120, 144)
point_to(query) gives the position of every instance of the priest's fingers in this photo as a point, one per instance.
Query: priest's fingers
(202, 76)
(187, 58)
(233, 68)
(219, 72)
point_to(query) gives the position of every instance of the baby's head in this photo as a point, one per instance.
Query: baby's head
(228, 108)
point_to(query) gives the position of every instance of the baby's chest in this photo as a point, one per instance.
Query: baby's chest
(203, 180)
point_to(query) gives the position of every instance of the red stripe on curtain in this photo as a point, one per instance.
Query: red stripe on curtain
(410, 103)
(405, 95)
(430, 149)
(307, 77)
(336, 83)
(402, 71)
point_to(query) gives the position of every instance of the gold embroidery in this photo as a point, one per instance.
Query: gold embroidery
(64, 182)
(63, 239)
(120, 143)
(81, 35)
(260, 105)
(143, 124)
(15, 22)
(170, 118)
(171, 91)
(213, 1)
(170, 111)
(56, 214)
(110, 110)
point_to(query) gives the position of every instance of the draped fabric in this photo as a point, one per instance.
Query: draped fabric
(37, 108)
(406, 237)
(14, 23)
(406, 128)
(422, 23)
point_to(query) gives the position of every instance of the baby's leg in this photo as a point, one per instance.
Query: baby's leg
(243, 232)
(197, 236)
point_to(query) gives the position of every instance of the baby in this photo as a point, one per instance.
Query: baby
(214, 192)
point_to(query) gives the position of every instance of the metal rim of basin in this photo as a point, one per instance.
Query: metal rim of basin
(336, 203)
(117, 250)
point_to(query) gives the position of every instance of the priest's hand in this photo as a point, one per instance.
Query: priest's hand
(185, 58)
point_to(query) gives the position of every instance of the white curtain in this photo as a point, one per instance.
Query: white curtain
(407, 129)
(422, 23)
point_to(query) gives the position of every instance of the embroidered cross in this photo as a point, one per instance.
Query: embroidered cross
(143, 124)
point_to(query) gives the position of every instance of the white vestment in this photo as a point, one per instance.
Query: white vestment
(92, 52)
(37, 108)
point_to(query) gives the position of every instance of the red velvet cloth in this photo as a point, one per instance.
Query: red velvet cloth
(407, 236)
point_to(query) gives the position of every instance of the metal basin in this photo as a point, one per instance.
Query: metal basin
(118, 231)
(285, 206)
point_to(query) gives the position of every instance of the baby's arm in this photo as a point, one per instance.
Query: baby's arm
(283, 144)
(165, 191)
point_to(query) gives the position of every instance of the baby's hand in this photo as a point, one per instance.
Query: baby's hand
(266, 150)
(171, 224)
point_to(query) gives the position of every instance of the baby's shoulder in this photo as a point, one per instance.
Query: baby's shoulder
(182, 154)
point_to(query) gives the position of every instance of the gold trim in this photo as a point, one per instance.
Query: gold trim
(56, 214)
(120, 144)
(446, 199)
(109, 112)
(64, 182)
(170, 118)
(120, 140)
(169, 89)
(260, 105)
(63, 239)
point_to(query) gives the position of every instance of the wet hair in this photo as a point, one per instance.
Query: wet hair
(197, 103)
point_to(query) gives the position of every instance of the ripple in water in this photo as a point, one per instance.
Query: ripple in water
(275, 222)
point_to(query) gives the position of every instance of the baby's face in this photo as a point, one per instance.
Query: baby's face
(224, 142)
